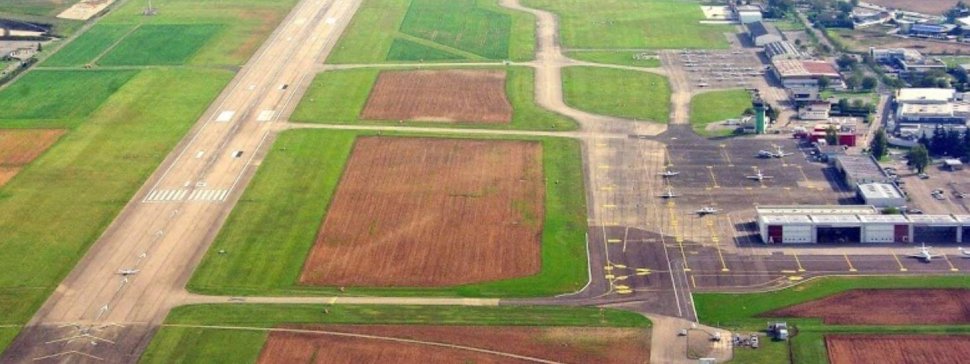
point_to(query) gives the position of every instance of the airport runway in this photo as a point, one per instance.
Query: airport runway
(97, 314)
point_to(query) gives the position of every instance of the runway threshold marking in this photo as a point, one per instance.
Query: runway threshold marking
(901, 267)
(849, 262)
(799, 263)
(952, 268)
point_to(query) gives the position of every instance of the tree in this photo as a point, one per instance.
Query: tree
(880, 144)
(846, 61)
(823, 83)
(919, 158)
(869, 83)
(832, 135)
(854, 81)
(938, 140)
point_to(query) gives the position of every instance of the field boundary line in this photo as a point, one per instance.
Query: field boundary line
(113, 45)
(371, 337)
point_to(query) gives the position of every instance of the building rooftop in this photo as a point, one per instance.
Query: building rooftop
(816, 210)
(931, 219)
(879, 190)
(759, 28)
(925, 95)
(798, 68)
(783, 49)
(908, 109)
(835, 219)
(896, 219)
(964, 219)
(861, 168)
(786, 219)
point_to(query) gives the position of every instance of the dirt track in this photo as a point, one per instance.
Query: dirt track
(468, 96)
(471, 211)
(438, 344)
(897, 349)
(887, 307)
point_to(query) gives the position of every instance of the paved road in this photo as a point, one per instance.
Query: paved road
(166, 229)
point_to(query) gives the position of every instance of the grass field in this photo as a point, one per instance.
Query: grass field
(622, 93)
(267, 257)
(120, 125)
(656, 24)
(624, 58)
(711, 107)
(35, 7)
(384, 30)
(338, 97)
(808, 345)
(89, 45)
(161, 44)
(198, 345)
(63, 95)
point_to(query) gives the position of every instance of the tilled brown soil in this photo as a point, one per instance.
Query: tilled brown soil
(886, 307)
(18, 147)
(935, 7)
(467, 96)
(424, 212)
(897, 349)
(565, 345)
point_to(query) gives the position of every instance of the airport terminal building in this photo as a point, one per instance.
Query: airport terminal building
(856, 224)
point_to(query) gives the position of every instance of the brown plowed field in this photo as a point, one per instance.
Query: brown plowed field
(897, 349)
(470, 96)
(18, 147)
(425, 212)
(937, 7)
(886, 307)
(564, 345)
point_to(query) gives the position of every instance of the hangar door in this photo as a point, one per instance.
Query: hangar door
(934, 234)
(839, 234)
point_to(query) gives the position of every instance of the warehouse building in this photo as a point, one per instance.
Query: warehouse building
(795, 73)
(761, 34)
(857, 224)
(881, 195)
(782, 50)
(860, 169)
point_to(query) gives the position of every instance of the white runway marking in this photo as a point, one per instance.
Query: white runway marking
(225, 116)
(166, 195)
(208, 195)
(266, 115)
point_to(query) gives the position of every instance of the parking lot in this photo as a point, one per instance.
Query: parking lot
(735, 68)
(953, 185)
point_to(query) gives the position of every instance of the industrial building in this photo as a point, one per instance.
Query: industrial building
(798, 73)
(856, 224)
(860, 169)
(931, 106)
(882, 195)
(815, 110)
(761, 34)
(747, 14)
(782, 50)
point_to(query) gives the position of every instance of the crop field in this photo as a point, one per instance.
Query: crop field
(474, 96)
(886, 307)
(62, 95)
(655, 24)
(711, 107)
(425, 30)
(934, 7)
(560, 344)
(432, 212)
(614, 92)
(339, 97)
(897, 349)
(162, 44)
(19, 147)
(89, 45)
(268, 249)
(184, 338)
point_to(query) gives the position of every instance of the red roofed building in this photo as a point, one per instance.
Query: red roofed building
(796, 74)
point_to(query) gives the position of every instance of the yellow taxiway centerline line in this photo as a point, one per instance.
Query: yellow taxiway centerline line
(901, 267)
(799, 263)
(952, 268)
(849, 262)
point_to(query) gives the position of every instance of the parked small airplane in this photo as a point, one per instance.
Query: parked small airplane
(966, 254)
(760, 176)
(127, 272)
(706, 210)
(778, 153)
(668, 173)
(669, 194)
(925, 254)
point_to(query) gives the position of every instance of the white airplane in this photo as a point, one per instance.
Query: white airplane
(760, 176)
(966, 254)
(706, 210)
(925, 254)
(778, 153)
(669, 194)
(668, 173)
(127, 272)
